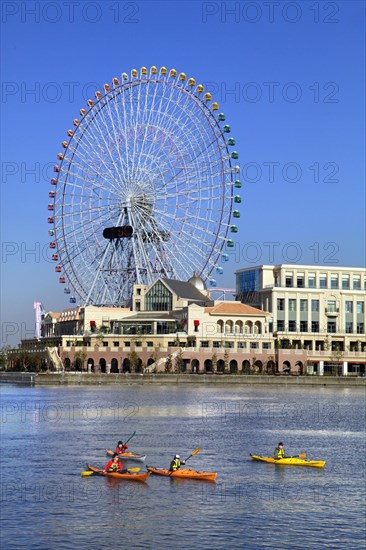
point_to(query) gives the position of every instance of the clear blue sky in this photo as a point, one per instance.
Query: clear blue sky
(296, 108)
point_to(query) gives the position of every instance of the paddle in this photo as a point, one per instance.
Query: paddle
(196, 451)
(85, 473)
(131, 436)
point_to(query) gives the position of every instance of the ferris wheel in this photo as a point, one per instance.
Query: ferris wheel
(146, 187)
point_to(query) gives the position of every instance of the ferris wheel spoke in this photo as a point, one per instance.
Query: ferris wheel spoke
(106, 122)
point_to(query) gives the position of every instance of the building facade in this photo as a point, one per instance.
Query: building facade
(286, 319)
(316, 308)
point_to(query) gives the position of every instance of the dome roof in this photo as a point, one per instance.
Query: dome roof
(197, 282)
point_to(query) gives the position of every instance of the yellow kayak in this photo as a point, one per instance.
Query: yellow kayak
(289, 461)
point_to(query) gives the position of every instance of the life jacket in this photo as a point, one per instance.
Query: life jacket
(279, 453)
(175, 464)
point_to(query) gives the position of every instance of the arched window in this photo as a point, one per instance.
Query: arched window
(248, 327)
(229, 327)
(102, 365)
(238, 327)
(208, 365)
(114, 365)
(195, 365)
(233, 366)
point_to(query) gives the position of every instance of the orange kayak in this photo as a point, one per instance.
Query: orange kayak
(127, 456)
(183, 474)
(129, 475)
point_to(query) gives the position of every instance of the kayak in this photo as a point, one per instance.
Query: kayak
(183, 474)
(130, 476)
(290, 461)
(127, 456)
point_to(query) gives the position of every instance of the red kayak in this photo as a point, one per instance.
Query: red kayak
(129, 475)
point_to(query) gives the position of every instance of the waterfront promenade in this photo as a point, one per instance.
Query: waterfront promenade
(79, 378)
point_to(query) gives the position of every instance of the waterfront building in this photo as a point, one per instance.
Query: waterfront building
(287, 319)
(316, 308)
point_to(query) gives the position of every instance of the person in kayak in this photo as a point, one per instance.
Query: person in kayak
(121, 448)
(279, 451)
(114, 465)
(176, 463)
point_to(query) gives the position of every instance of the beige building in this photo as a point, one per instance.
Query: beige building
(316, 308)
(294, 319)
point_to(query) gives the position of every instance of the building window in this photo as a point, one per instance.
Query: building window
(345, 282)
(314, 305)
(248, 281)
(292, 304)
(280, 325)
(138, 306)
(303, 305)
(115, 344)
(280, 304)
(332, 324)
(359, 307)
(229, 344)
(300, 281)
(105, 344)
(242, 345)
(303, 326)
(292, 326)
(158, 298)
(171, 344)
(288, 280)
(216, 344)
(314, 326)
(138, 344)
(323, 281)
(138, 291)
(266, 345)
(254, 345)
(349, 327)
(127, 344)
(332, 306)
(356, 283)
(334, 281)
(311, 281)
(204, 343)
(150, 344)
(349, 306)
(360, 328)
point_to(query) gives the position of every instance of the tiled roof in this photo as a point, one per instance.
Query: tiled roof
(234, 308)
(53, 314)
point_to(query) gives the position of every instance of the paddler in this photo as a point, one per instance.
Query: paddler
(176, 463)
(279, 451)
(121, 448)
(114, 465)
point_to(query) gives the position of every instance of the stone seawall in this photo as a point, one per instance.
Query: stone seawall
(77, 378)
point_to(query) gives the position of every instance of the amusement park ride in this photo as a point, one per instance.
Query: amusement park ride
(146, 186)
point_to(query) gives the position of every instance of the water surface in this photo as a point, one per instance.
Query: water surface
(48, 435)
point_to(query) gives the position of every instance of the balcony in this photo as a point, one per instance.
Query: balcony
(332, 311)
